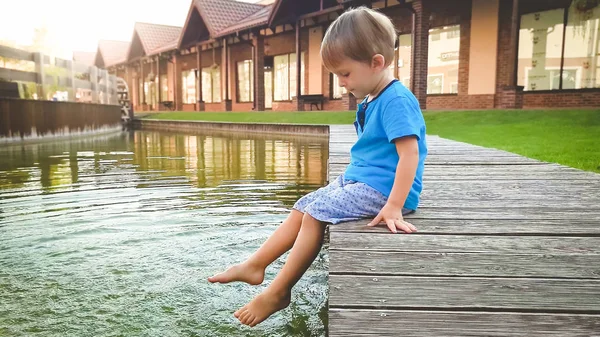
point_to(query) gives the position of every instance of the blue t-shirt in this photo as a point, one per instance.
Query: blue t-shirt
(393, 114)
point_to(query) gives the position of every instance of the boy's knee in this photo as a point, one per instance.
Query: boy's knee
(309, 220)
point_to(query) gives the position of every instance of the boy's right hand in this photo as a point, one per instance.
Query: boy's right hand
(392, 216)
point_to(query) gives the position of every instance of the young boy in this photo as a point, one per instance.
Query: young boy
(383, 179)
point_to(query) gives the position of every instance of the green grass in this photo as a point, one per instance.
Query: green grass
(568, 137)
(305, 117)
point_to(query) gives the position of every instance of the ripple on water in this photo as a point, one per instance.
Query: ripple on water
(116, 236)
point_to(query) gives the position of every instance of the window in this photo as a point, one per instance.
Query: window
(285, 76)
(582, 51)
(188, 86)
(404, 58)
(454, 88)
(245, 84)
(444, 50)
(164, 88)
(140, 92)
(336, 90)
(444, 47)
(268, 89)
(211, 85)
(542, 39)
(435, 83)
(453, 33)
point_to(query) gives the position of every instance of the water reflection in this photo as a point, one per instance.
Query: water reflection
(204, 160)
(120, 231)
(211, 160)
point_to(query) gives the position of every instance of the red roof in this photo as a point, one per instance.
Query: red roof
(156, 38)
(111, 52)
(257, 19)
(84, 57)
(220, 14)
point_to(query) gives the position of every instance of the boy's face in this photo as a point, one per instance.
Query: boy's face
(359, 78)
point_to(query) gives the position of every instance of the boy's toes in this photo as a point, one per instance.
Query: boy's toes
(249, 319)
(240, 311)
(244, 316)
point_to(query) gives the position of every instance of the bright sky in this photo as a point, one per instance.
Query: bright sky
(79, 24)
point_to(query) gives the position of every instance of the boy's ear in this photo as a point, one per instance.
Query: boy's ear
(378, 61)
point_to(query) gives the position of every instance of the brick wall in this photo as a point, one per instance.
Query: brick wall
(188, 107)
(334, 105)
(213, 107)
(454, 102)
(188, 61)
(564, 99)
(421, 49)
(284, 106)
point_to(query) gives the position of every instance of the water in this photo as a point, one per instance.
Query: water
(116, 235)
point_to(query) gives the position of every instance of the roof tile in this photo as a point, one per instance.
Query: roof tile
(113, 52)
(220, 14)
(156, 38)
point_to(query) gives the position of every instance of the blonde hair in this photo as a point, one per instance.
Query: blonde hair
(359, 34)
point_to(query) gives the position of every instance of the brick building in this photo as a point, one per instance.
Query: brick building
(460, 54)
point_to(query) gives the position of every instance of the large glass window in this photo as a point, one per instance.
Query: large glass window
(404, 59)
(245, 84)
(541, 41)
(140, 92)
(188, 80)
(164, 88)
(336, 90)
(285, 76)
(443, 63)
(211, 85)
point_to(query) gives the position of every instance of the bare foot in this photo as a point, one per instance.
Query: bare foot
(243, 272)
(261, 307)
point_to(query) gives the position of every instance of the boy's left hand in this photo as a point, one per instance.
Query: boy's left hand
(392, 216)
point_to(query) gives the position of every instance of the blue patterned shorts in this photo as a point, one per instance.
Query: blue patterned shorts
(343, 200)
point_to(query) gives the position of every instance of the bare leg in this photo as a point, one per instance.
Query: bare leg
(252, 271)
(277, 295)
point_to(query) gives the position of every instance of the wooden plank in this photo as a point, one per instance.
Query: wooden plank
(474, 293)
(411, 323)
(493, 172)
(366, 242)
(429, 177)
(460, 212)
(343, 149)
(499, 227)
(455, 159)
(491, 169)
(508, 201)
(536, 271)
(465, 264)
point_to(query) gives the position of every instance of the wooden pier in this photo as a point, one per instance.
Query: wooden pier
(507, 246)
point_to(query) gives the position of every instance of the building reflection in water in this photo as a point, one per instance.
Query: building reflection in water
(203, 160)
(209, 160)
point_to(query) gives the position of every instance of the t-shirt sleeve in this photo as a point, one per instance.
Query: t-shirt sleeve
(401, 119)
